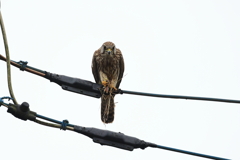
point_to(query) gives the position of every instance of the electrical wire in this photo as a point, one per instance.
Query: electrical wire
(43, 74)
(179, 97)
(186, 152)
(7, 59)
(71, 127)
(31, 70)
(4, 105)
(52, 125)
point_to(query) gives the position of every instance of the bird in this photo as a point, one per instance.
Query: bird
(107, 69)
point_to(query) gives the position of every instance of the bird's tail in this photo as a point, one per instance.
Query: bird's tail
(107, 108)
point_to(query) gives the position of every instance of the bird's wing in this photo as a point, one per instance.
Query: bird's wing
(95, 70)
(121, 67)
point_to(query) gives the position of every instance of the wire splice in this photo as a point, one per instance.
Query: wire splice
(22, 111)
(114, 139)
(76, 85)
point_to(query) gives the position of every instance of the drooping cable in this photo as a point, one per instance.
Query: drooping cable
(7, 59)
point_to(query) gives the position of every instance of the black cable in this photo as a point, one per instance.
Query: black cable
(178, 96)
(103, 137)
(185, 152)
(89, 88)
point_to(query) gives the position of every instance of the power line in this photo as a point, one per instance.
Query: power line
(178, 96)
(103, 137)
(89, 88)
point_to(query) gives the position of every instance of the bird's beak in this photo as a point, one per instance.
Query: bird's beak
(109, 51)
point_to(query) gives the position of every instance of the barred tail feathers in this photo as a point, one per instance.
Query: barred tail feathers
(107, 108)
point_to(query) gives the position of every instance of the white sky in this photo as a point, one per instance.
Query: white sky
(179, 47)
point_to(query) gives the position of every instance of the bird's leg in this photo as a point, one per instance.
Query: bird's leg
(105, 83)
(113, 84)
(113, 87)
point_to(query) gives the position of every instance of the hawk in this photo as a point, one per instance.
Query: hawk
(107, 69)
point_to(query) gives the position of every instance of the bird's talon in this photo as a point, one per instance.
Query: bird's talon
(111, 86)
(104, 83)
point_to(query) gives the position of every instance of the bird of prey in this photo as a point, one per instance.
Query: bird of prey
(107, 69)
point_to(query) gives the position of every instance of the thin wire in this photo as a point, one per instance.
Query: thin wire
(52, 125)
(33, 70)
(7, 60)
(4, 105)
(179, 97)
(186, 152)
(51, 120)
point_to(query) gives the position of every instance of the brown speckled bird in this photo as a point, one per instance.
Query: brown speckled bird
(107, 69)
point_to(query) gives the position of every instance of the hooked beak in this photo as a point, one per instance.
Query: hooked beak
(109, 51)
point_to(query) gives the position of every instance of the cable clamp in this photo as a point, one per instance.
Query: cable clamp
(23, 65)
(64, 125)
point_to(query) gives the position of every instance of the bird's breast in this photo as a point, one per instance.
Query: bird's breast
(109, 66)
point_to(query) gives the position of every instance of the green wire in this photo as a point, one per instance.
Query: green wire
(7, 59)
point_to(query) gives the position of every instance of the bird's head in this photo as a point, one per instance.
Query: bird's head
(108, 49)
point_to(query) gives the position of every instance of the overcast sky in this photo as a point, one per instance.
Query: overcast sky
(178, 47)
